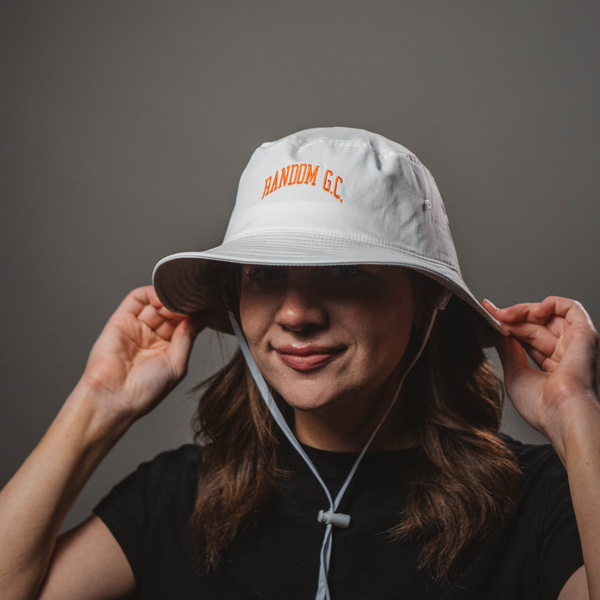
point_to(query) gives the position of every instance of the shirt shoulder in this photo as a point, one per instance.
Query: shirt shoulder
(531, 456)
(169, 472)
(539, 537)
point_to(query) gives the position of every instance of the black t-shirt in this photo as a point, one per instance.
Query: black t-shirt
(530, 556)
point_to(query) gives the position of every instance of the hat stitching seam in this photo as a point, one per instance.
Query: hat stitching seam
(329, 141)
(370, 241)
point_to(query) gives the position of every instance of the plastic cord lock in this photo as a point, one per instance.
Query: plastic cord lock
(331, 518)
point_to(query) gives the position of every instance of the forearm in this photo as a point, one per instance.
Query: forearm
(579, 449)
(35, 502)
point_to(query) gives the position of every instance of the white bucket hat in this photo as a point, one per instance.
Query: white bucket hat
(327, 196)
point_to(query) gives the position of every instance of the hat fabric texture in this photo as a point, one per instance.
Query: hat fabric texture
(327, 196)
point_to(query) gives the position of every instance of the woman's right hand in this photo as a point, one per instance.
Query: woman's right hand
(140, 356)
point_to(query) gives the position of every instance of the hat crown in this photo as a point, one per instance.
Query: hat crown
(326, 196)
(343, 183)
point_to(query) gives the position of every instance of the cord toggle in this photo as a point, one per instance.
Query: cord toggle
(331, 518)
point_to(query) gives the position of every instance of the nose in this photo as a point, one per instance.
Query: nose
(302, 308)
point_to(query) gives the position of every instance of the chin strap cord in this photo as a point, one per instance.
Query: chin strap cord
(329, 517)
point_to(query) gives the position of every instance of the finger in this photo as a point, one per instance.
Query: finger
(557, 325)
(538, 337)
(544, 362)
(519, 313)
(150, 317)
(161, 326)
(542, 312)
(166, 329)
(574, 328)
(144, 296)
(512, 355)
(133, 303)
(182, 341)
(145, 301)
(572, 310)
(537, 356)
(152, 297)
(536, 323)
(578, 347)
(550, 365)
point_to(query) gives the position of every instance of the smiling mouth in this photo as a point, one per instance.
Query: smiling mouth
(307, 358)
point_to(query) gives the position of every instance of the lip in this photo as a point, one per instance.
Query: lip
(308, 358)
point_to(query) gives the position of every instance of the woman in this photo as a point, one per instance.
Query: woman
(353, 451)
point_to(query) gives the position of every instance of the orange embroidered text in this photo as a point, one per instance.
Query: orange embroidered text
(327, 184)
(293, 174)
(303, 173)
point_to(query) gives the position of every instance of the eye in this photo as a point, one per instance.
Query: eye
(348, 270)
(266, 273)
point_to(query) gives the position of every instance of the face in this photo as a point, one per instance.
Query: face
(326, 336)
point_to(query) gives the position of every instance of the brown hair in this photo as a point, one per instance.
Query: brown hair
(466, 477)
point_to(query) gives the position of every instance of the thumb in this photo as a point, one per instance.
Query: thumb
(512, 355)
(183, 339)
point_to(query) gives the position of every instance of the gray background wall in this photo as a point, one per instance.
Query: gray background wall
(125, 126)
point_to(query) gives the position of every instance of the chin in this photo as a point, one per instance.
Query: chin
(312, 398)
(301, 398)
(307, 405)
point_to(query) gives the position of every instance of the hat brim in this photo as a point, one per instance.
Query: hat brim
(180, 279)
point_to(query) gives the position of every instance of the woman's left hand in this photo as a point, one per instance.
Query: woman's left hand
(560, 337)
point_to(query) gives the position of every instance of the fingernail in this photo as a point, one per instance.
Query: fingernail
(491, 304)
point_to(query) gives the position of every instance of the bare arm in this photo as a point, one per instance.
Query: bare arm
(88, 562)
(580, 452)
(560, 400)
(140, 356)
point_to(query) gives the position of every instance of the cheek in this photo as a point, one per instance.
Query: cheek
(383, 330)
(256, 314)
